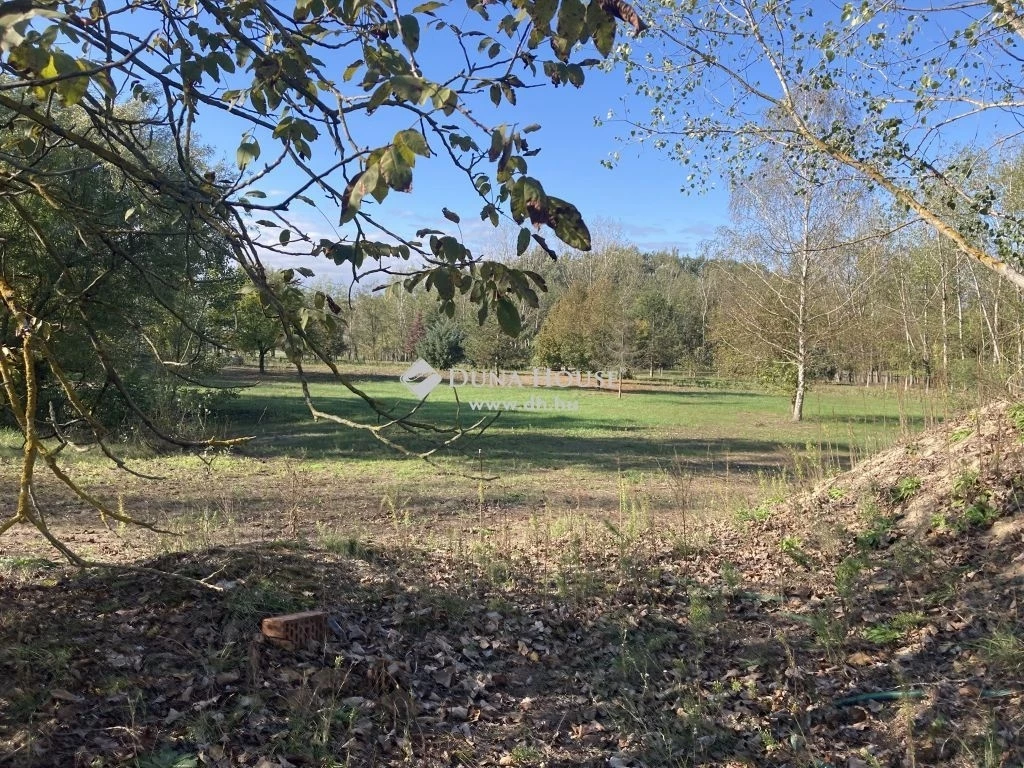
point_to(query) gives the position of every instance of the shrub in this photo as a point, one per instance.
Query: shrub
(442, 346)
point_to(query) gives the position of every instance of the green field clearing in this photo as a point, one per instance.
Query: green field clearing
(745, 430)
(674, 452)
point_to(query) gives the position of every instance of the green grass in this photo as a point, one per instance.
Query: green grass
(644, 430)
(689, 450)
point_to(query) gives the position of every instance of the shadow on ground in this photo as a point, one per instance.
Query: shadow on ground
(621, 649)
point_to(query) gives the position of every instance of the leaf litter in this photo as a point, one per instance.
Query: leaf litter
(874, 621)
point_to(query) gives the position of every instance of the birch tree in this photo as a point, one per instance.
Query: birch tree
(914, 79)
(784, 298)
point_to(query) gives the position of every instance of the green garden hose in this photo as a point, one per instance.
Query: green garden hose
(916, 693)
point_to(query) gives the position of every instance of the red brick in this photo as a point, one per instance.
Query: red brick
(296, 630)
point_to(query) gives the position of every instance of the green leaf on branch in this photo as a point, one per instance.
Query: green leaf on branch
(351, 70)
(572, 15)
(522, 288)
(50, 70)
(568, 224)
(259, 100)
(407, 87)
(445, 99)
(542, 12)
(410, 27)
(75, 84)
(508, 316)
(522, 241)
(414, 140)
(497, 144)
(340, 253)
(602, 28)
(363, 184)
(395, 170)
(544, 246)
(528, 200)
(539, 281)
(379, 97)
(562, 46)
(441, 279)
(248, 151)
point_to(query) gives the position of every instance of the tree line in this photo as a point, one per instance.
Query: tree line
(813, 280)
(816, 278)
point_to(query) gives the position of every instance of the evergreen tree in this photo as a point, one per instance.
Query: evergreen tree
(442, 346)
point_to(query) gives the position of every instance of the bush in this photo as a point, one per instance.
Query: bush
(777, 376)
(442, 346)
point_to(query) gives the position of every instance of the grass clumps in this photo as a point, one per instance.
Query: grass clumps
(905, 489)
(1003, 650)
(895, 630)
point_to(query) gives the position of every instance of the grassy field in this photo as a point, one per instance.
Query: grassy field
(678, 452)
(742, 430)
(714, 441)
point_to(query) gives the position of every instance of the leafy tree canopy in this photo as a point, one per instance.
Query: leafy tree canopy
(348, 96)
(730, 81)
(272, 70)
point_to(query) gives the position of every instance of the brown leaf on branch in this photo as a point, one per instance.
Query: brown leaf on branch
(347, 194)
(625, 12)
(539, 215)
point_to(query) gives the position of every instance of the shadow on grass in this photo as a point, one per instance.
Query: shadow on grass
(555, 440)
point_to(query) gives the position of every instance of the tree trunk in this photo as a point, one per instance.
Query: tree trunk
(263, 357)
(801, 319)
(959, 310)
(801, 389)
(992, 334)
(1020, 338)
(997, 353)
(945, 333)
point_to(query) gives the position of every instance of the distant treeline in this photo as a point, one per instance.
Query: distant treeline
(896, 314)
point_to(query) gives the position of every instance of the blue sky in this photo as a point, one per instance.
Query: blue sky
(639, 200)
(642, 193)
